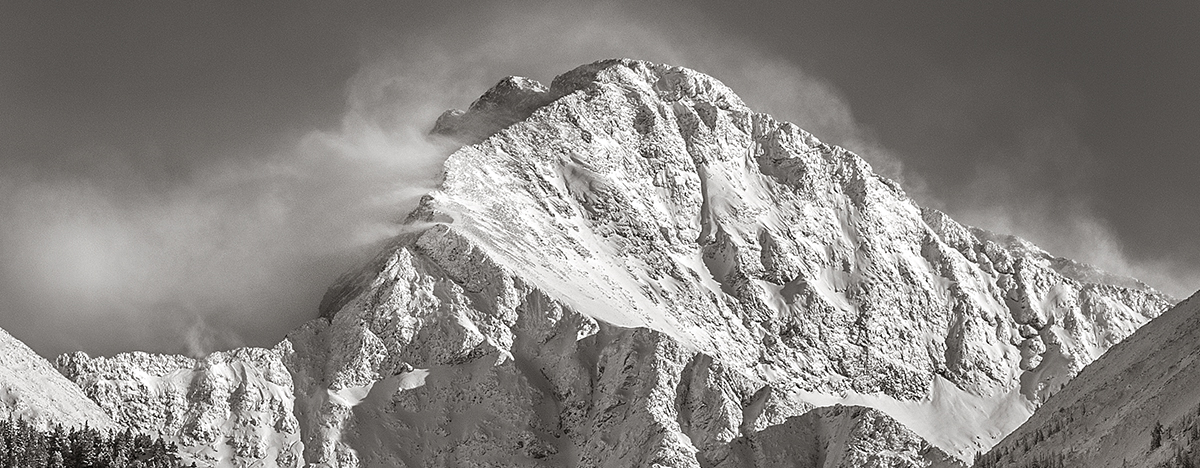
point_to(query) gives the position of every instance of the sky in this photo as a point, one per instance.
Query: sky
(185, 177)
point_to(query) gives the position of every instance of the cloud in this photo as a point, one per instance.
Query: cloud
(467, 56)
(241, 246)
(1072, 230)
(201, 339)
(1036, 188)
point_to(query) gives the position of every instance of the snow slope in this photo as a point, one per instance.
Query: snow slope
(31, 389)
(1107, 415)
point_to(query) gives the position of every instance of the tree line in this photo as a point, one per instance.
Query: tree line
(23, 445)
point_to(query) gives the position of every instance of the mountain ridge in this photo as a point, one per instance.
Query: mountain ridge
(571, 182)
(629, 267)
(1134, 406)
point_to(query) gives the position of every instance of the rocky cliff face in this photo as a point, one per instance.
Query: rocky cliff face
(837, 436)
(229, 409)
(629, 267)
(1136, 406)
(643, 272)
(31, 389)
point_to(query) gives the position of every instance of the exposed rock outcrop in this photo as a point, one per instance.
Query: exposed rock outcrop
(1138, 405)
(231, 408)
(837, 437)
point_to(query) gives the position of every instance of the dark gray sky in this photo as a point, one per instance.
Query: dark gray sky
(189, 176)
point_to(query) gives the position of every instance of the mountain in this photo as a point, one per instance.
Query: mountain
(31, 389)
(629, 267)
(636, 269)
(1136, 406)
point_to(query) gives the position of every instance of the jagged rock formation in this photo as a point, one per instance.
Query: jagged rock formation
(31, 389)
(1136, 406)
(642, 270)
(229, 409)
(512, 99)
(837, 436)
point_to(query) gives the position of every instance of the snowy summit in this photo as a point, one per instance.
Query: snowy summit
(630, 267)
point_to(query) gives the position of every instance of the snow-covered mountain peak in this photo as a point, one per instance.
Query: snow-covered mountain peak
(641, 196)
(669, 83)
(511, 100)
(629, 267)
(514, 98)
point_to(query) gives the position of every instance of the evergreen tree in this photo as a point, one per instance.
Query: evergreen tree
(56, 460)
(3, 448)
(23, 445)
